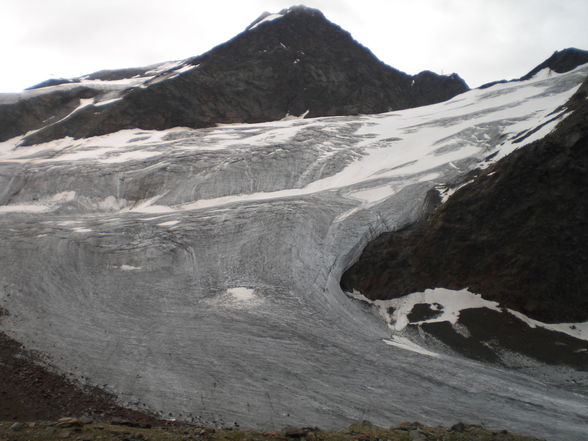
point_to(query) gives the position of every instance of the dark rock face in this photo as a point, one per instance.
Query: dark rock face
(53, 82)
(490, 333)
(35, 112)
(517, 234)
(297, 63)
(561, 61)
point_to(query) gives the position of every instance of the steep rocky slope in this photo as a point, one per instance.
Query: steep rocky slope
(561, 61)
(517, 234)
(296, 63)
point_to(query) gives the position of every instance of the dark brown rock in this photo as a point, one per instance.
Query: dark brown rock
(409, 426)
(123, 422)
(458, 427)
(69, 422)
(17, 427)
(294, 432)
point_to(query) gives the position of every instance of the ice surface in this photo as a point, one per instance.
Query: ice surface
(211, 258)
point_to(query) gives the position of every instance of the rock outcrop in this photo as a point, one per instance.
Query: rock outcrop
(561, 61)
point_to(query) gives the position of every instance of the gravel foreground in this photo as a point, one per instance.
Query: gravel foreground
(76, 429)
(32, 399)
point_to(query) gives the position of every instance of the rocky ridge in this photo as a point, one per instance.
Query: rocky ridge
(298, 63)
(559, 62)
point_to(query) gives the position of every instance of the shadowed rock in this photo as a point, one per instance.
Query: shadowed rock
(561, 61)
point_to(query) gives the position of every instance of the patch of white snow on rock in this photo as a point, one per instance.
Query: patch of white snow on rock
(267, 18)
(449, 303)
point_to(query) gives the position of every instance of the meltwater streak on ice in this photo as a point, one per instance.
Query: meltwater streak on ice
(202, 281)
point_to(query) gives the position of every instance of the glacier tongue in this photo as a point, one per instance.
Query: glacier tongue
(195, 272)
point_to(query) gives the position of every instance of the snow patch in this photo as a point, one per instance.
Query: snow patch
(42, 205)
(133, 155)
(242, 294)
(451, 304)
(168, 223)
(445, 191)
(130, 268)
(405, 343)
(239, 297)
(24, 208)
(543, 74)
(64, 196)
(268, 18)
(289, 117)
(107, 102)
(371, 195)
(81, 230)
(108, 204)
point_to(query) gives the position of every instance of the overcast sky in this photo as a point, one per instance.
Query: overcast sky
(481, 40)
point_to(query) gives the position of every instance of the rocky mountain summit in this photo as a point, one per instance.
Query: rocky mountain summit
(292, 63)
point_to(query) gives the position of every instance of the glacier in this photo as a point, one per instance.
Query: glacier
(195, 272)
